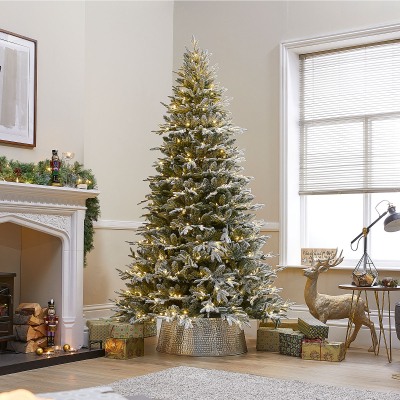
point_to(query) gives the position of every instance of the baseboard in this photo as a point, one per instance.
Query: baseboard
(96, 311)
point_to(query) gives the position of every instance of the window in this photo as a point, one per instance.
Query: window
(348, 142)
(350, 146)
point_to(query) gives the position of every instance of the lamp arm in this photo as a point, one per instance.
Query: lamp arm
(368, 228)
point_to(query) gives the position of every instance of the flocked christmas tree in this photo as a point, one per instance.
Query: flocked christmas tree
(201, 254)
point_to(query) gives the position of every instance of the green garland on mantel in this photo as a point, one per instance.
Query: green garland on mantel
(70, 175)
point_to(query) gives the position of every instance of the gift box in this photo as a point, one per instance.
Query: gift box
(124, 349)
(313, 328)
(150, 328)
(98, 330)
(285, 323)
(290, 343)
(125, 330)
(322, 350)
(268, 338)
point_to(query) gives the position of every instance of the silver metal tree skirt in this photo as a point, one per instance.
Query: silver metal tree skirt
(213, 337)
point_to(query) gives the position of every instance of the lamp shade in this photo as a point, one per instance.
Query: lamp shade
(392, 222)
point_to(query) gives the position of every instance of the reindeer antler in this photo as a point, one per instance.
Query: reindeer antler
(329, 262)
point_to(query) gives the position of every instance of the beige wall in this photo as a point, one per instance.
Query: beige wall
(128, 73)
(59, 28)
(40, 268)
(104, 67)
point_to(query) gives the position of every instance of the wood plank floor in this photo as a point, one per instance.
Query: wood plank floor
(360, 370)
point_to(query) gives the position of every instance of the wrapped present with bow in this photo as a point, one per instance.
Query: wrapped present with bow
(268, 338)
(313, 328)
(125, 330)
(290, 343)
(320, 350)
(124, 349)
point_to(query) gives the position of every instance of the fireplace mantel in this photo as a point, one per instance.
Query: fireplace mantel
(58, 211)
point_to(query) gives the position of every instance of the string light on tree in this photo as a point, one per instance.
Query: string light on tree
(201, 254)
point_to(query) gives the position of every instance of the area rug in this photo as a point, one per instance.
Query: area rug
(188, 383)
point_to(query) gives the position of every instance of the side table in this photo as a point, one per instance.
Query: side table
(375, 290)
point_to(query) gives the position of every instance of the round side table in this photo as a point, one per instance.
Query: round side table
(375, 290)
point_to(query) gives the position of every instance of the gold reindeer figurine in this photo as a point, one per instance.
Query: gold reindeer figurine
(324, 307)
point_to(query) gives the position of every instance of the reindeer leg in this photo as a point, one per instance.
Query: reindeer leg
(357, 326)
(366, 321)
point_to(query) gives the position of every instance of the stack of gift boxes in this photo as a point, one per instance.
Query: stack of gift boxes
(121, 340)
(305, 338)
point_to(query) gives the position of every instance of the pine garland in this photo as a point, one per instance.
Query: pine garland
(201, 253)
(70, 175)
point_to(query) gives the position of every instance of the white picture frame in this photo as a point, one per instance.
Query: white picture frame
(18, 89)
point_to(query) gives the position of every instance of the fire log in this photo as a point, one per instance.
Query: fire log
(29, 309)
(20, 319)
(22, 347)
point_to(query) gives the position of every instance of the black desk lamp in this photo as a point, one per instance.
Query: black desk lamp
(365, 273)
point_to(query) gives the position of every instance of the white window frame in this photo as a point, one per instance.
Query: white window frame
(291, 239)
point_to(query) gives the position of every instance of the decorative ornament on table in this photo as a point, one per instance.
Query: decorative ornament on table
(388, 282)
(39, 351)
(325, 307)
(51, 322)
(55, 165)
(66, 347)
(365, 273)
(200, 255)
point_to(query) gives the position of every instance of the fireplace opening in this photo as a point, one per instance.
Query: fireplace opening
(36, 260)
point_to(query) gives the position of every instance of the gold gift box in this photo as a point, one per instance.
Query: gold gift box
(124, 349)
(268, 338)
(322, 350)
(123, 330)
(285, 323)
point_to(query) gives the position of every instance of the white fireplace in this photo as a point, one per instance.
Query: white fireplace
(59, 212)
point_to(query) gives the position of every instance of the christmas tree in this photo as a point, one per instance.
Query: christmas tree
(201, 254)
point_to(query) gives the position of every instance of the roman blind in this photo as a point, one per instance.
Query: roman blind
(350, 120)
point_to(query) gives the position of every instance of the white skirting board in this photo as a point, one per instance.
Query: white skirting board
(337, 328)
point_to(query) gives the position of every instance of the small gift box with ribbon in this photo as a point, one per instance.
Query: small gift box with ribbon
(319, 350)
(313, 328)
(268, 338)
(290, 343)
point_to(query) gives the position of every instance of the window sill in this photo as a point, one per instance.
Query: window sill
(344, 267)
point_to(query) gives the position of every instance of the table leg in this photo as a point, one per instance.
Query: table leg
(369, 319)
(390, 330)
(381, 329)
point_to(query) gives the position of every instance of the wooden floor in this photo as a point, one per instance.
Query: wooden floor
(360, 369)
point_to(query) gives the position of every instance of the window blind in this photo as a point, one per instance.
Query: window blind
(350, 120)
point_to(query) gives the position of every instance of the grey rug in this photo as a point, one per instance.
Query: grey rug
(188, 383)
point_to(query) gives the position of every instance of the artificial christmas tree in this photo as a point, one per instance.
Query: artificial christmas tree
(201, 254)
